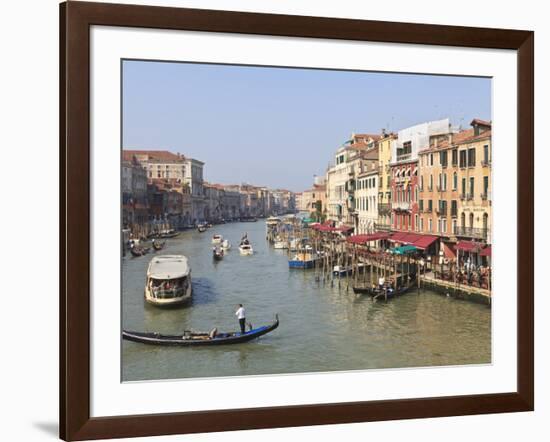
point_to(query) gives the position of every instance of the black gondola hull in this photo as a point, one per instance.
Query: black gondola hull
(179, 341)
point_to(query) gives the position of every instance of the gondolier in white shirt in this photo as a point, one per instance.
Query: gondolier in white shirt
(241, 316)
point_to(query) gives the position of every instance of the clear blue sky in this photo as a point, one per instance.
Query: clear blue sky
(275, 126)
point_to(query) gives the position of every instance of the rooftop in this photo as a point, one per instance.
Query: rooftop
(168, 267)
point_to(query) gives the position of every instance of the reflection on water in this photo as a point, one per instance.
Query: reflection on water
(322, 328)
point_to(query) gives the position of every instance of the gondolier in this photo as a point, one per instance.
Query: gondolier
(241, 316)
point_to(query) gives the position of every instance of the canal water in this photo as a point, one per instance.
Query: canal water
(322, 328)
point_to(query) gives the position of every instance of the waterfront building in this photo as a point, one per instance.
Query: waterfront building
(386, 146)
(341, 175)
(366, 192)
(455, 187)
(312, 201)
(134, 193)
(404, 171)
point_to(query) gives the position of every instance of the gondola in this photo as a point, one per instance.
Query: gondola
(201, 228)
(159, 245)
(139, 251)
(376, 292)
(189, 338)
(217, 254)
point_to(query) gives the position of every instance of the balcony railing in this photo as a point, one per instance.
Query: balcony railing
(382, 227)
(404, 157)
(441, 211)
(384, 209)
(472, 232)
(454, 211)
(486, 196)
(485, 163)
(401, 205)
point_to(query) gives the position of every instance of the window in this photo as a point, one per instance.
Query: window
(430, 225)
(471, 220)
(444, 225)
(471, 157)
(439, 182)
(463, 158)
(454, 208)
(444, 181)
(431, 186)
(486, 154)
(454, 157)
(416, 223)
(421, 205)
(472, 187)
(485, 186)
(422, 224)
(455, 181)
(463, 192)
(454, 224)
(443, 158)
(422, 182)
(431, 159)
(430, 204)
(463, 219)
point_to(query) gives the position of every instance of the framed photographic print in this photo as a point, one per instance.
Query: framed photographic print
(274, 221)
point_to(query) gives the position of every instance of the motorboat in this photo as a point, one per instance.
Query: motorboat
(341, 270)
(280, 244)
(226, 245)
(246, 249)
(217, 239)
(302, 260)
(158, 245)
(168, 280)
(138, 251)
(168, 233)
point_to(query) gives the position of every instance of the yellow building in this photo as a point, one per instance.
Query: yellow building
(384, 181)
(454, 198)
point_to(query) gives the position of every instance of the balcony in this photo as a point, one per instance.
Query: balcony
(472, 232)
(454, 212)
(381, 227)
(441, 211)
(384, 209)
(485, 196)
(404, 157)
(462, 196)
(401, 206)
(470, 196)
(485, 163)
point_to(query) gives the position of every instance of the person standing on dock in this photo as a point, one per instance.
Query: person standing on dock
(241, 316)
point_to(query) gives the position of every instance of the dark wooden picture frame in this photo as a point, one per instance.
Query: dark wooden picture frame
(75, 21)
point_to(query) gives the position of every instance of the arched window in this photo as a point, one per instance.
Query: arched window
(463, 220)
(471, 220)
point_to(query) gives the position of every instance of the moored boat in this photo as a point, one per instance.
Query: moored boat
(158, 245)
(191, 338)
(168, 233)
(280, 244)
(217, 239)
(138, 251)
(341, 270)
(201, 228)
(302, 260)
(226, 245)
(168, 280)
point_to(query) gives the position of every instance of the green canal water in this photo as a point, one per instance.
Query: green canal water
(322, 328)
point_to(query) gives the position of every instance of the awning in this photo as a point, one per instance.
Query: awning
(365, 238)
(486, 251)
(404, 250)
(344, 228)
(414, 239)
(469, 246)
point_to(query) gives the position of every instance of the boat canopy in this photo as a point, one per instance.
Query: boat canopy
(404, 250)
(168, 267)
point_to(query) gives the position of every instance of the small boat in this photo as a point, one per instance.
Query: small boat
(217, 253)
(168, 281)
(217, 239)
(190, 338)
(341, 270)
(246, 249)
(201, 228)
(302, 260)
(248, 219)
(157, 245)
(226, 245)
(377, 292)
(272, 221)
(280, 245)
(138, 251)
(168, 233)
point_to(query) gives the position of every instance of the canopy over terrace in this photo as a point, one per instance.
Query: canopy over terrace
(417, 240)
(365, 238)
(404, 250)
(469, 246)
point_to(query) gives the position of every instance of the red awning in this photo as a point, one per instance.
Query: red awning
(486, 251)
(468, 246)
(363, 239)
(414, 239)
(344, 228)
